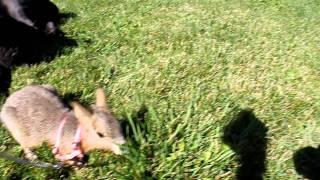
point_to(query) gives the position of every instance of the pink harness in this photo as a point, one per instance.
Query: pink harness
(76, 153)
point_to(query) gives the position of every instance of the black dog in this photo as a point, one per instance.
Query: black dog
(26, 28)
(42, 15)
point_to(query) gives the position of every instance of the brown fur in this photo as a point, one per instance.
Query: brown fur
(33, 115)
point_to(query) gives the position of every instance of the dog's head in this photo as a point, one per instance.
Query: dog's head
(43, 13)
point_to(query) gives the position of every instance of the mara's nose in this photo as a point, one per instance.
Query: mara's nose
(119, 141)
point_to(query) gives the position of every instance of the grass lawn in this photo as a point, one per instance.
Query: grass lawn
(182, 76)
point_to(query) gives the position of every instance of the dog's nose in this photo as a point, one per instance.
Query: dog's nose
(50, 28)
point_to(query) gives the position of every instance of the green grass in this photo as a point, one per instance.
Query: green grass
(193, 65)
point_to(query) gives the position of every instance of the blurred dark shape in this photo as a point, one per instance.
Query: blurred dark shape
(246, 136)
(307, 162)
(29, 34)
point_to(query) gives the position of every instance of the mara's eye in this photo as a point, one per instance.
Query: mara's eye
(100, 135)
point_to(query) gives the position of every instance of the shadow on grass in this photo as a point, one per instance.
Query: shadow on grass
(246, 136)
(307, 162)
(69, 97)
(5, 80)
(20, 44)
(134, 126)
(65, 16)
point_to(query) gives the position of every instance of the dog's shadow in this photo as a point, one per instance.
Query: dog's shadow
(65, 16)
(307, 162)
(5, 80)
(22, 45)
(246, 136)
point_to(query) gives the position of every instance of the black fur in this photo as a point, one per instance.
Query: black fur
(42, 15)
(27, 27)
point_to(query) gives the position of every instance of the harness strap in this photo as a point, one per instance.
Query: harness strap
(59, 134)
(31, 163)
(76, 149)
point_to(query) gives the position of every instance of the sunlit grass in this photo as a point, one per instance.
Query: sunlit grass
(192, 65)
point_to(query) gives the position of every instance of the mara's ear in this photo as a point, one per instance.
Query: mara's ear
(82, 114)
(100, 98)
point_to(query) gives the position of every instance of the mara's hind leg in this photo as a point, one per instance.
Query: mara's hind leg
(19, 133)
